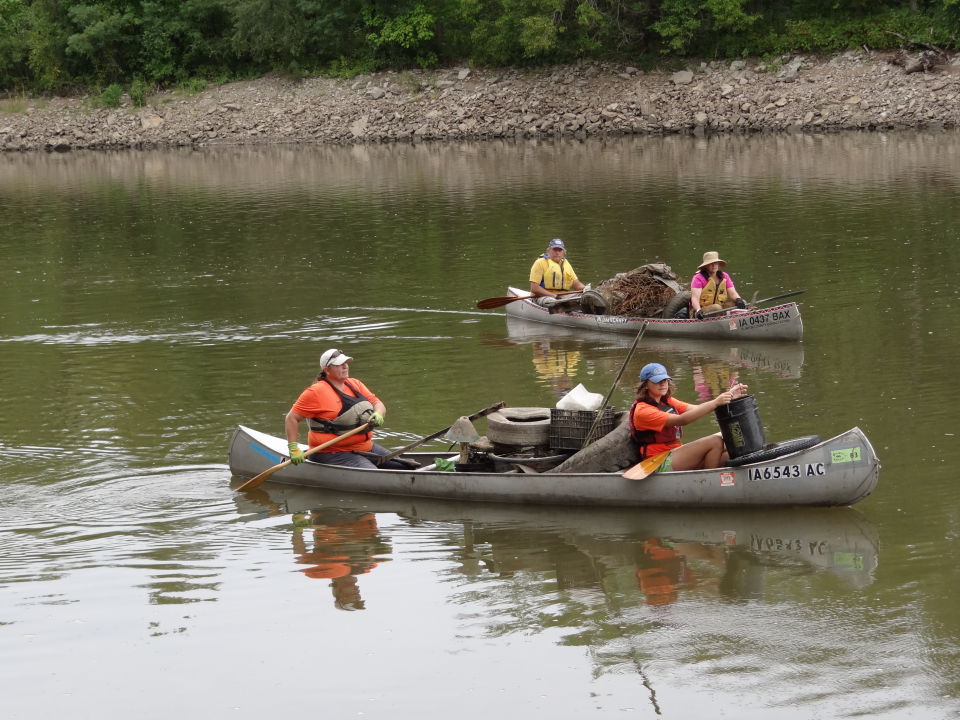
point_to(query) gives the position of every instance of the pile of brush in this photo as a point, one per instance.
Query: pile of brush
(641, 292)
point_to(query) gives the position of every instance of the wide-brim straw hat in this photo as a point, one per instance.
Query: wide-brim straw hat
(711, 257)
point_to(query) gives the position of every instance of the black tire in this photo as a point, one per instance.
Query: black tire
(775, 450)
(678, 302)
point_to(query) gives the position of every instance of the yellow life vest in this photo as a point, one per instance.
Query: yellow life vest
(557, 275)
(713, 293)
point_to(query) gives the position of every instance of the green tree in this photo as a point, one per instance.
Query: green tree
(683, 22)
(405, 35)
(14, 44)
(104, 43)
(183, 39)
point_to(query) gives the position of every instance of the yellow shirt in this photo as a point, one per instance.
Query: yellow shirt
(553, 275)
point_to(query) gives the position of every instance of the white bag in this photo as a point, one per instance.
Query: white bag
(580, 399)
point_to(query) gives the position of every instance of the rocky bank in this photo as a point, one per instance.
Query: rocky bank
(853, 91)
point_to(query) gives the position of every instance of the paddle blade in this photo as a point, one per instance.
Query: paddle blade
(646, 467)
(496, 302)
(256, 481)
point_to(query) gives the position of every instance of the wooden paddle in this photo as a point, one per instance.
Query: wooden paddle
(438, 433)
(603, 405)
(758, 302)
(256, 481)
(646, 466)
(496, 302)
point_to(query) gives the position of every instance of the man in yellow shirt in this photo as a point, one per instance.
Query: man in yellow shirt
(552, 273)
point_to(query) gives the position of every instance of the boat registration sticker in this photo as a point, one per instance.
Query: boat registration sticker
(726, 479)
(732, 325)
(846, 455)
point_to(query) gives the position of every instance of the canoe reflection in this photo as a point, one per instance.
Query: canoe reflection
(780, 359)
(661, 554)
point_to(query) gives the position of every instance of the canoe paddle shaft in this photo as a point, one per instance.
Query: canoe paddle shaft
(255, 482)
(438, 433)
(603, 405)
(757, 302)
(496, 302)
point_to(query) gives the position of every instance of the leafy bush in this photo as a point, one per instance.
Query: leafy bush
(139, 92)
(110, 97)
(193, 86)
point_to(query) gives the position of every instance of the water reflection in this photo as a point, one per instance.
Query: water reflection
(555, 366)
(663, 555)
(557, 355)
(338, 544)
(675, 598)
(922, 159)
(331, 543)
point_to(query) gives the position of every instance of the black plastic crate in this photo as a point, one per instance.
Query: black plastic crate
(569, 428)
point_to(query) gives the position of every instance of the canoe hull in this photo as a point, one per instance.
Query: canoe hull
(781, 322)
(837, 472)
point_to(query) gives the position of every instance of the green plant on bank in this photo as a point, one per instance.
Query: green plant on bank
(346, 68)
(139, 92)
(111, 95)
(644, 61)
(769, 64)
(192, 86)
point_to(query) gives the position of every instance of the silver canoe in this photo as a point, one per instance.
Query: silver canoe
(781, 322)
(840, 471)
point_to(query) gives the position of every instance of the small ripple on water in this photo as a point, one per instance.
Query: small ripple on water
(333, 327)
(113, 519)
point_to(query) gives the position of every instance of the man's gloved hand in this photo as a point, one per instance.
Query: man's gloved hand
(699, 314)
(296, 454)
(740, 303)
(377, 419)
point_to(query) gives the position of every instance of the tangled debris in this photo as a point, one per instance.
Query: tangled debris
(641, 292)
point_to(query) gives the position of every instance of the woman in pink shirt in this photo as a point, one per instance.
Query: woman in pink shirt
(711, 288)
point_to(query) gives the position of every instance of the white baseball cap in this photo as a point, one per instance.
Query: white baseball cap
(333, 357)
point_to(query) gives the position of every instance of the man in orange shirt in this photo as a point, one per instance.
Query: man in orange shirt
(332, 405)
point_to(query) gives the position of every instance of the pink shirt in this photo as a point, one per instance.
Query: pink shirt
(699, 281)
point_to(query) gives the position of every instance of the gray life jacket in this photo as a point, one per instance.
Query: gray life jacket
(354, 412)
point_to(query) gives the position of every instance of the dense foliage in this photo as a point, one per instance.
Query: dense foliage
(56, 44)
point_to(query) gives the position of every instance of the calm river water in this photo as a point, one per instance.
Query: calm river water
(152, 301)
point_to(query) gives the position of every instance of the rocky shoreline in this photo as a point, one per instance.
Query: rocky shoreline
(853, 91)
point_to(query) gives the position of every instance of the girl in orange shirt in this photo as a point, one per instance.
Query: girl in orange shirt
(657, 420)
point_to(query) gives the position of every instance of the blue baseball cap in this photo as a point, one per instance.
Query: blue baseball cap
(655, 372)
(556, 243)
